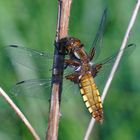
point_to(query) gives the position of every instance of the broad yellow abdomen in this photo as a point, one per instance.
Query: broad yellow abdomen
(91, 96)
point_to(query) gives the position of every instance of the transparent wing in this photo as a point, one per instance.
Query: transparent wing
(102, 68)
(41, 89)
(38, 88)
(96, 45)
(29, 58)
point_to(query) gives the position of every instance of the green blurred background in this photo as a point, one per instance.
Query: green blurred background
(32, 24)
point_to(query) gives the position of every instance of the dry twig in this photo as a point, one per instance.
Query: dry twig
(62, 31)
(19, 113)
(117, 61)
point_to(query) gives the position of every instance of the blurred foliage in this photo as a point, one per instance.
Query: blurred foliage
(32, 24)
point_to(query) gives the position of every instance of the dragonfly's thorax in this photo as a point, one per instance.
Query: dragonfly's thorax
(74, 46)
(84, 68)
(81, 54)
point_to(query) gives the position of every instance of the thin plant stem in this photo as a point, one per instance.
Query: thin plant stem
(19, 113)
(116, 63)
(61, 31)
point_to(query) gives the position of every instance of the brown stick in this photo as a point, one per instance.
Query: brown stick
(62, 31)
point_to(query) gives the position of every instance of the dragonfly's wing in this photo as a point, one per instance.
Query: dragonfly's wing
(69, 70)
(29, 58)
(70, 91)
(96, 45)
(102, 68)
(39, 88)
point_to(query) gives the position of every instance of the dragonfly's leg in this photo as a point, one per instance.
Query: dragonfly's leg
(96, 69)
(91, 53)
(72, 62)
(69, 62)
(74, 77)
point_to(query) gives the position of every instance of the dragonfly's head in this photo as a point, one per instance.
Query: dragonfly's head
(71, 44)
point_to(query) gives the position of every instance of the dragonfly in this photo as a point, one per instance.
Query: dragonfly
(83, 69)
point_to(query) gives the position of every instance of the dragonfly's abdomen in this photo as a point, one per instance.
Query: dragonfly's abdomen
(91, 96)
